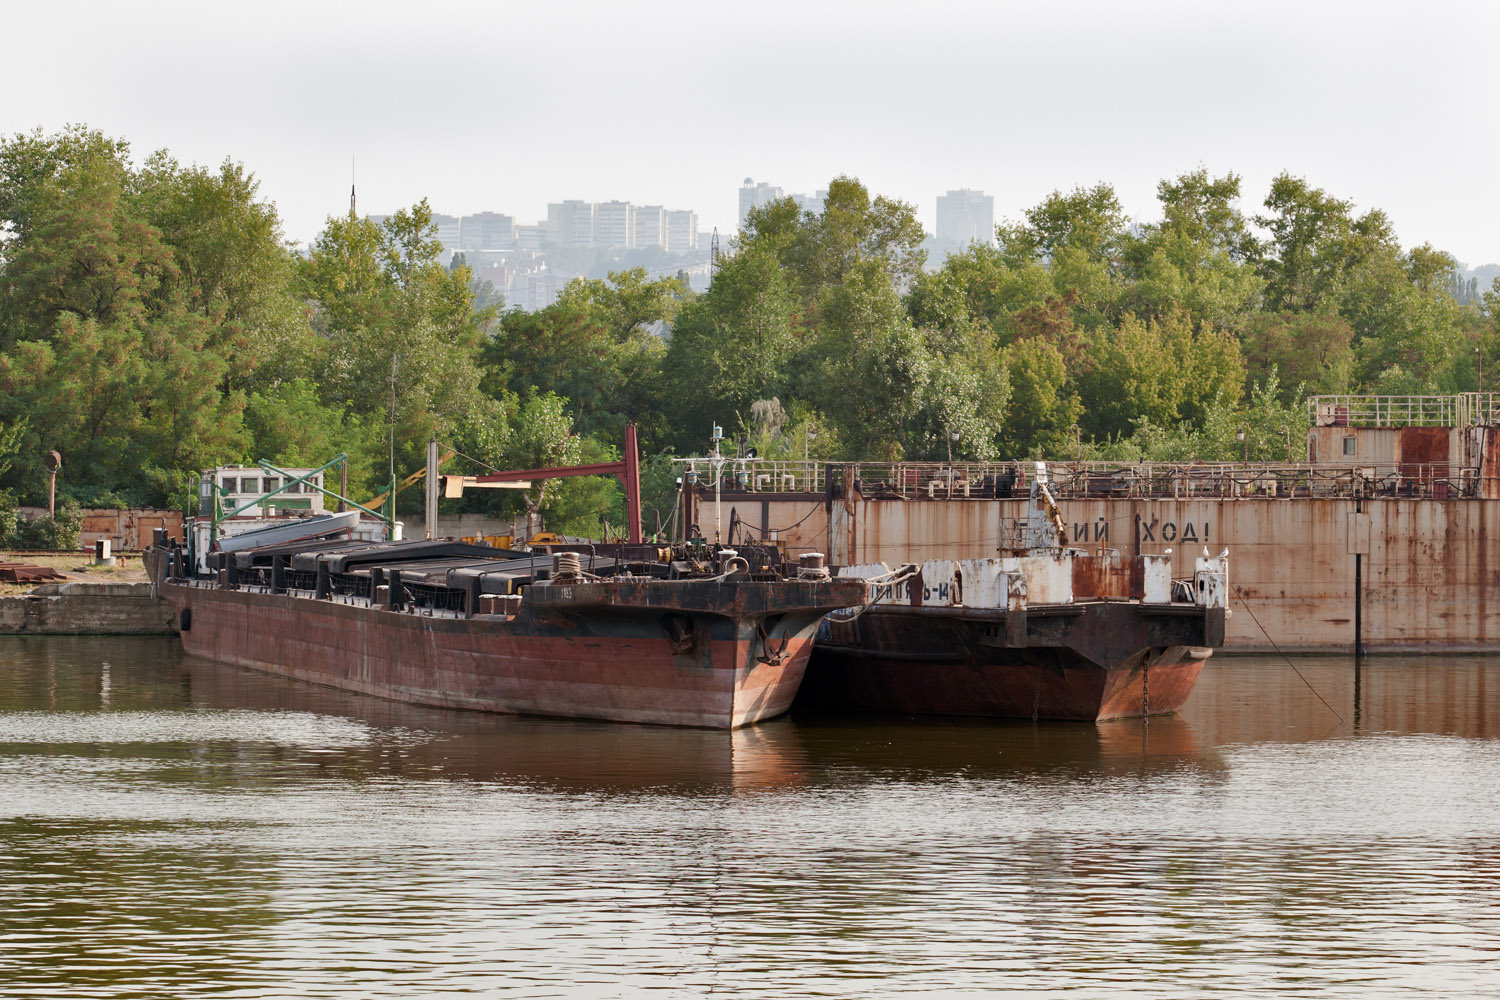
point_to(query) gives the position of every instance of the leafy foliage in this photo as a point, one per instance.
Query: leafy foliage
(153, 321)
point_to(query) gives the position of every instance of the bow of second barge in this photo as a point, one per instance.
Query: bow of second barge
(1086, 661)
(1045, 632)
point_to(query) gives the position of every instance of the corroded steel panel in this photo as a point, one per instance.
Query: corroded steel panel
(1106, 660)
(799, 522)
(15, 572)
(1106, 574)
(127, 530)
(1430, 575)
(968, 583)
(1423, 446)
(1489, 469)
(1422, 454)
(574, 659)
(1049, 575)
(1156, 579)
(1291, 577)
(1426, 580)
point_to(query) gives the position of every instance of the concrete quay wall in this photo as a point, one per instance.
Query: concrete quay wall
(87, 609)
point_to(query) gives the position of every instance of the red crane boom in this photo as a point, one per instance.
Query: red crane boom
(628, 469)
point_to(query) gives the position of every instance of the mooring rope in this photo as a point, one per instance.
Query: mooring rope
(1244, 604)
(890, 579)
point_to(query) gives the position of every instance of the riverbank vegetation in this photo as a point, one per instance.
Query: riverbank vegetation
(154, 321)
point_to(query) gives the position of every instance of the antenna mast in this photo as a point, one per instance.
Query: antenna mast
(394, 359)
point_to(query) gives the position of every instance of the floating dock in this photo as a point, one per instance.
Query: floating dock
(1381, 537)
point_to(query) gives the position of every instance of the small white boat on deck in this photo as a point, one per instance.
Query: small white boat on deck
(295, 530)
(244, 507)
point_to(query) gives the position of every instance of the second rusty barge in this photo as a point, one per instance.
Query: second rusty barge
(1044, 632)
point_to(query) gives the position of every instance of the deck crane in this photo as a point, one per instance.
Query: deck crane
(410, 480)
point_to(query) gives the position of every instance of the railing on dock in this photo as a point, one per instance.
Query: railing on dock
(1104, 480)
(1464, 409)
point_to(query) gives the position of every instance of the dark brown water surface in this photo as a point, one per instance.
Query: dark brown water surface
(174, 828)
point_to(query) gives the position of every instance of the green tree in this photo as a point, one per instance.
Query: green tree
(1314, 242)
(1311, 350)
(874, 374)
(1079, 238)
(400, 332)
(592, 347)
(1198, 256)
(1087, 221)
(104, 358)
(542, 436)
(1402, 316)
(627, 301)
(80, 251)
(289, 425)
(233, 265)
(31, 165)
(884, 388)
(818, 251)
(1042, 413)
(1161, 371)
(730, 346)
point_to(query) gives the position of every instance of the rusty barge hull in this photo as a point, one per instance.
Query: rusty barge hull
(645, 651)
(1088, 661)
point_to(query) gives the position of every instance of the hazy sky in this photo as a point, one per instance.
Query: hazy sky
(507, 106)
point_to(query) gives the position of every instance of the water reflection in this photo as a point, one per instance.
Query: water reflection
(173, 827)
(271, 728)
(1255, 698)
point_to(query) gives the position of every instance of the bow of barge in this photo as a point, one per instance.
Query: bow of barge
(621, 634)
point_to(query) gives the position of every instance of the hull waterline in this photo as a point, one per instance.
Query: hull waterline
(662, 665)
(1090, 662)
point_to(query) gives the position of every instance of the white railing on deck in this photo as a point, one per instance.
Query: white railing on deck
(1464, 409)
(1101, 480)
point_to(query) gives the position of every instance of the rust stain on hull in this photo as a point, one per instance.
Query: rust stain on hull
(1425, 581)
(571, 660)
(1101, 660)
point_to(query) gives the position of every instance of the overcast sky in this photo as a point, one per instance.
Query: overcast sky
(507, 106)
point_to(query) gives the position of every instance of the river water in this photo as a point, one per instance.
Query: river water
(174, 828)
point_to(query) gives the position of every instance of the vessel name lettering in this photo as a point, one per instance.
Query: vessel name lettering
(940, 592)
(1101, 531)
(1171, 531)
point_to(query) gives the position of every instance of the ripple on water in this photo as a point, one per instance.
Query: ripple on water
(367, 850)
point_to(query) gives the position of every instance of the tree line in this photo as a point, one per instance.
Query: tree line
(154, 321)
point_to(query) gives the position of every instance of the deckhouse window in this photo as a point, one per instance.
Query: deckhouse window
(1349, 445)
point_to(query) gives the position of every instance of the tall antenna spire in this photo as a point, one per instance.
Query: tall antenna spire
(352, 212)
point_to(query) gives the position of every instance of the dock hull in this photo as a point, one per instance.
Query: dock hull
(623, 665)
(1088, 662)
